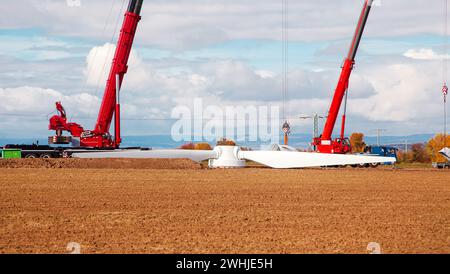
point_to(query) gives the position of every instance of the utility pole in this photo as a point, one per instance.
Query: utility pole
(315, 118)
(379, 131)
(445, 118)
(445, 92)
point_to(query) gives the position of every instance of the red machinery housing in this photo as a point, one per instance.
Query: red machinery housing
(325, 143)
(100, 136)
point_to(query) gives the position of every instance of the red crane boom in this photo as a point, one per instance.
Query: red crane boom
(325, 143)
(100, 136)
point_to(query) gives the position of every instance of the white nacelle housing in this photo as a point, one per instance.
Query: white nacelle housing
(228, 157)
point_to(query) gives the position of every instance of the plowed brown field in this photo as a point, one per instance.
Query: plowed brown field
(224, 211)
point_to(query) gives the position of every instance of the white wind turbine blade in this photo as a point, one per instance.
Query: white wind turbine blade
(195, 155)
(287, 159)
(446, 153)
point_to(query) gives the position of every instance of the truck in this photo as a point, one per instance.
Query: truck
(384, 151)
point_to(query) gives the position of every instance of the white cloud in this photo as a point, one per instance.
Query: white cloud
(423, 54)
(403, 92)
(181, 24)
(399, 93)
(98, 65)
(265, 74)
(35, 101)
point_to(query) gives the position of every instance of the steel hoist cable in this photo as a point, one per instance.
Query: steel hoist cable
(285, 71)
(285, 53)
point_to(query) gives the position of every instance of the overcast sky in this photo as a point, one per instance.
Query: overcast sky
(227, 52)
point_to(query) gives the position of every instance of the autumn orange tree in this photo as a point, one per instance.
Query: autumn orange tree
(419, 153)
(436, 144)
(188, 146)
(357, 142)
(226, 142)
(198, 146)
(202, 146)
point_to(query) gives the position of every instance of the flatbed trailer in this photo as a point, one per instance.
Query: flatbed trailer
(46, 152)
(39, 151)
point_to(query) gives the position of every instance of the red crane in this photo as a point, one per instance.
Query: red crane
(341, 145)
(100, 136)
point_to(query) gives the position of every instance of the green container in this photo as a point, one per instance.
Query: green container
(11, 153)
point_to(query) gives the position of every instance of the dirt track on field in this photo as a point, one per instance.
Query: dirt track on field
(224, 211)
